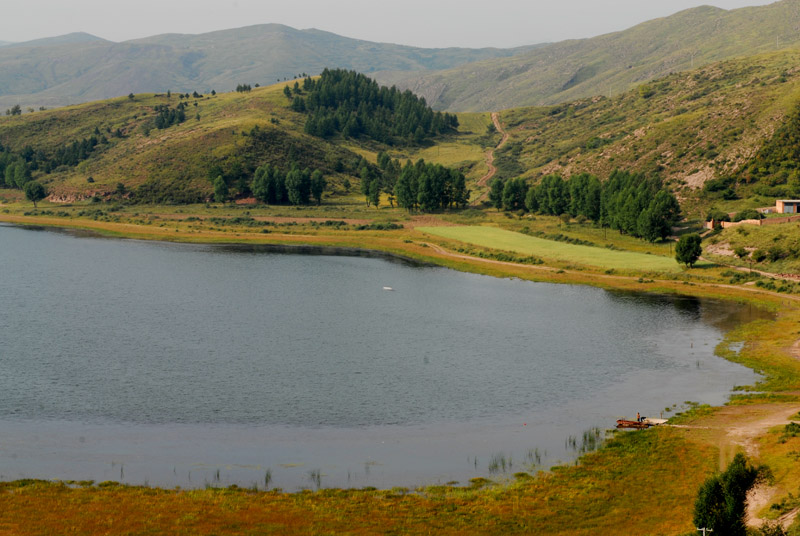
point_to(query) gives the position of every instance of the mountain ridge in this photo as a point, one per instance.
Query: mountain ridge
(611, 63)
(79, 69)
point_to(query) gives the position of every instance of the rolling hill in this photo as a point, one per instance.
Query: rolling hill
(167, 147)
(608, 64)
(690, 127)
(81, 68)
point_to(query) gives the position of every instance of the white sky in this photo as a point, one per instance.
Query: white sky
(424, 23)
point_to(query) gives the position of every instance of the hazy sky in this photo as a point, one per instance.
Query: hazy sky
(425, 23)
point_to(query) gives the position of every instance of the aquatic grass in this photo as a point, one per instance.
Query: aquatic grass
(500, 463)
(267, 478)
(315, 477)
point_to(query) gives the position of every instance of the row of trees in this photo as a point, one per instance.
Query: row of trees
(274, 186)
(415, 186)
(628, 202)
(351, 104)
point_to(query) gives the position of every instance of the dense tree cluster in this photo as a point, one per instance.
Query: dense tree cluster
(351, 104)
(243, 88)
(629, 202)
(167, 116)
(430, 187)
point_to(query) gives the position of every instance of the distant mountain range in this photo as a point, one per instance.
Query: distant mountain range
(80, 67)
(609, 64)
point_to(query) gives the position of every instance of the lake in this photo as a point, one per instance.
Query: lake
(194, 365)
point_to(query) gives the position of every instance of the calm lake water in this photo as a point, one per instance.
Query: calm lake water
(193, 365)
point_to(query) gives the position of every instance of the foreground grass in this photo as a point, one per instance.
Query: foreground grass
(593, 498)
(548, 249)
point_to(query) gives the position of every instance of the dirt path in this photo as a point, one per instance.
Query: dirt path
(484, 181)
(784, 277)
(745, 434)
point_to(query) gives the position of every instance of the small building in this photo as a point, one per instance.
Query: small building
(787, 206)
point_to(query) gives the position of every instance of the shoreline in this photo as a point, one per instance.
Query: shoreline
(420, 251)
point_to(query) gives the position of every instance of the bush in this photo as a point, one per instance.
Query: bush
(748, 214)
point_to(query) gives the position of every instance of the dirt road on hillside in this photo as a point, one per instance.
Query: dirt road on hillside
(484, 181)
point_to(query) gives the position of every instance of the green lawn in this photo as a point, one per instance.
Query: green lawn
(492, 237)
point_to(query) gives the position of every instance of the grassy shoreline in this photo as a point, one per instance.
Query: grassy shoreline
(587, 498)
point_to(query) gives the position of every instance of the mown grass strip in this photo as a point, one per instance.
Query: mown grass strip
(495, 238)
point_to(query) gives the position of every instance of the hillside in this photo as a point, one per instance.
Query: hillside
(81, 68)
(87, 150)
(689, 127)
(609, 64)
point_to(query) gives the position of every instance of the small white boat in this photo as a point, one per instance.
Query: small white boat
(388, 288)
(654, 422)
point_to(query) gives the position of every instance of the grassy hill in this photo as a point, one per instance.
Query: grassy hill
(612, 63)
(79, 68)
(226, 130)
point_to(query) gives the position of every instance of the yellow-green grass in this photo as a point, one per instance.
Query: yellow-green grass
(493, 237)
(784, 236)
(609, 486)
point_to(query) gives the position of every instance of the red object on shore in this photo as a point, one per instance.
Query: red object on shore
(622, 423)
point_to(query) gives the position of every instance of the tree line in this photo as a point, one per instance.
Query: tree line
(430, 187)
(350, 104)
(16, 167)
(628, 202)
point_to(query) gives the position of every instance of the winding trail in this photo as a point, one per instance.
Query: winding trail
(484, 181)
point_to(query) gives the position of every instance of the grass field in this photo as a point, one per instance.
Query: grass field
(495, 238)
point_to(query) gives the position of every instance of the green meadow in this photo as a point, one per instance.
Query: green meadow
(492, 237)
